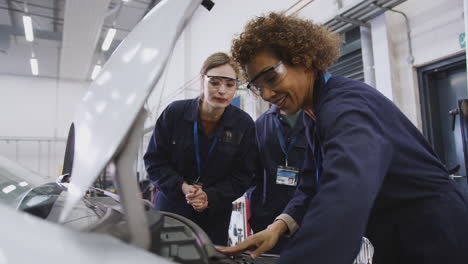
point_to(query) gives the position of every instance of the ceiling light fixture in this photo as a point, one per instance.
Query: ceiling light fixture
(9, 188)
(96, 70)
(108, 40)
(28, 29)
(34, 66)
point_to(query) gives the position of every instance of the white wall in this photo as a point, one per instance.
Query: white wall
(435, 26)
(39, 108)
(382, 50)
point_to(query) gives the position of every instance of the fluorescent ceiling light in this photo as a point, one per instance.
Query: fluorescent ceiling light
(108, 40)
(9, 189)
(28, 29)
(96, 70)
(34, 66)
(126, 1)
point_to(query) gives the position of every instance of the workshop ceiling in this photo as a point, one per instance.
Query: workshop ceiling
(68, 35)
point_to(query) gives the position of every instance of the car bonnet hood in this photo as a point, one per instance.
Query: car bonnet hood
(110, 107)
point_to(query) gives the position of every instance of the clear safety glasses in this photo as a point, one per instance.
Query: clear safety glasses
(268, 78)
(216, 82)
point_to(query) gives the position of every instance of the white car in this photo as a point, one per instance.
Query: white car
(26, 238)
(56, 222)
(96, 229)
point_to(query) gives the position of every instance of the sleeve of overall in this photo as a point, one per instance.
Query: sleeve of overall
(235, 184)
(357, 156)
(157, 157)
(305, 190)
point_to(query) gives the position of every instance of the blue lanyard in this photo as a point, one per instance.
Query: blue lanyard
(318, 150)
(326, 77)
(318, 164)
(315, 146)
(197, 148)
(282, 142)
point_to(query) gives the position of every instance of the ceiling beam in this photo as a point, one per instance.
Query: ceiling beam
(56, 14)
(104, 27)
(11, 10)
(141, 2)
(39, 34)
(32, 4)
(10, 14)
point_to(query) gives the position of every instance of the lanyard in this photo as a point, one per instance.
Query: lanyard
(318, 163)
(314, 145)
(326, 77)
(317, 148)
(282, 142)
(197, 148)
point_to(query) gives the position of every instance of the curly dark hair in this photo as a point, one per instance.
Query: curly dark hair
(293, 40)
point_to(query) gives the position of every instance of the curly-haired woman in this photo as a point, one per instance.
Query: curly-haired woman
(376, 175)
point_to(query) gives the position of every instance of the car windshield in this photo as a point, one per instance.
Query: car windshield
(16, 182)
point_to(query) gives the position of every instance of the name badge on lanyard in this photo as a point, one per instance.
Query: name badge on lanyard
(285, 175)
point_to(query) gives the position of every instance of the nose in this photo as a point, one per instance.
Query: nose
(267, 94)
(223, 88)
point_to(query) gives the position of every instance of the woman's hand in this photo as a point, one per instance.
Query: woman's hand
(200, 206)
(187, 188)
(261, 242)
(198, 199)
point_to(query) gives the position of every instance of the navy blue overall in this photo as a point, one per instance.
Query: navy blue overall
(226, 174)
(269, 199)
(379, 178)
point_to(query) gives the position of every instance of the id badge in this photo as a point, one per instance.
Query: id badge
(287, 176)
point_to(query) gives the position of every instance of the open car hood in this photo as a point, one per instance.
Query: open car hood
(110, 107)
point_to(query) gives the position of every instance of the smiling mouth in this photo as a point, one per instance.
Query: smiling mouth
(280, 102)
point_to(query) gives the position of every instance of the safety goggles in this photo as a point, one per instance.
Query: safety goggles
(216, 82)
(268, 78)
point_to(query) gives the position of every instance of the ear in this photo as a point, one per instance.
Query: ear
(202, 86)
(202, 78)
(202, 82)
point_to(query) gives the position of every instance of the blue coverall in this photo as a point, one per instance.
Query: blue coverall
(170, 160)
(379, 178)
(269, 199)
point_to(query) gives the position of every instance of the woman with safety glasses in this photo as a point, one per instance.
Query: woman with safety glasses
(202, 151)
(376, 175)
